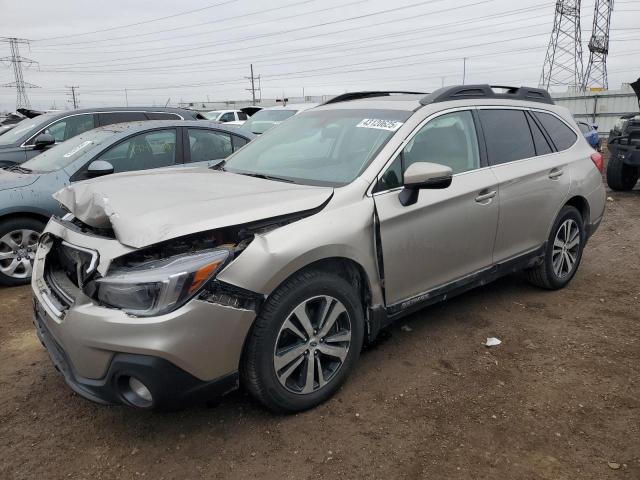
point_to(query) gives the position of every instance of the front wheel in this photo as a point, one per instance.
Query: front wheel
(563, 252)
(18, 243)
(304, 343)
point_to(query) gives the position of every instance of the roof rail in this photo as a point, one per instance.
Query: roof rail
(345, 97)
(463, 92)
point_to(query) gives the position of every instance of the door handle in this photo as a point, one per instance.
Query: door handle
(486, 196)
(555, 173)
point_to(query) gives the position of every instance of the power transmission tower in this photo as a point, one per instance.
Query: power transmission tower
(563, 61)
(596, 73)
(22, 101)
(253, 88)
(73, 96)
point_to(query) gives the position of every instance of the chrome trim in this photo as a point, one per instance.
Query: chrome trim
(45, 298)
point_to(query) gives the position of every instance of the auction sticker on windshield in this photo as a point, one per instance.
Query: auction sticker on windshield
(77, 149)
(380, 124)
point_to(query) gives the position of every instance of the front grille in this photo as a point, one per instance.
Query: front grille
(67, 268)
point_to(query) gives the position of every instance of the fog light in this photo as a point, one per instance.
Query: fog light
(138, 388)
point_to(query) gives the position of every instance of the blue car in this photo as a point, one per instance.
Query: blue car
(590, 132)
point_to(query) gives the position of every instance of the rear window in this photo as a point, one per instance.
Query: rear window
(507, 135)
(561, 135)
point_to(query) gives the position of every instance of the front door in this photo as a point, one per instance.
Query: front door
(447, 234)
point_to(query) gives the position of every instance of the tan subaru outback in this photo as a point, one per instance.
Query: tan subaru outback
(272, 269)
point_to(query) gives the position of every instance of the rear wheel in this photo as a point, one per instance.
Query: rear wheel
(18, 243)
(563, 253)
(304, 343)
(620, 176)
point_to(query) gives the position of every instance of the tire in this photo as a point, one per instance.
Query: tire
(282, 385)
(620, 176)
(546, 275)
(17, 249)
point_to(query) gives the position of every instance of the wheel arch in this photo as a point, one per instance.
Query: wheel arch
(582, 205)
(34, 215)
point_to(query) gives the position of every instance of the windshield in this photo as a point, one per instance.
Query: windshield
(213, 115)
(330, 147)
(263, 120)
(26, 126)
(63, 154)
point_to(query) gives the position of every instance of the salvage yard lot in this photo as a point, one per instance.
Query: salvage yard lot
(559, 399)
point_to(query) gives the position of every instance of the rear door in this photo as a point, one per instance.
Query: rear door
(447, 234)
(533, 181)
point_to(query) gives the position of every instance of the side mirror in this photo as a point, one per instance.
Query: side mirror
(98, 168)
(421, 175)
(43, 141)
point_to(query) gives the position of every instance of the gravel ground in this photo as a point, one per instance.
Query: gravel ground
(559, 399)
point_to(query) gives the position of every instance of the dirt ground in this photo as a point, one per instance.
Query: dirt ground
(559, 399)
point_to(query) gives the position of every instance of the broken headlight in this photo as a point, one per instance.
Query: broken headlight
(158, 286)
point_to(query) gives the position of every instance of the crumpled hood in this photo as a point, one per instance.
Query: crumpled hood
(144, 208)
(9, 180)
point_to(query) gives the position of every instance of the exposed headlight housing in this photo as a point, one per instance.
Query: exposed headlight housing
(158, 286)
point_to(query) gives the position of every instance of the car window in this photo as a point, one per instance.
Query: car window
(560, 133)
(238, 142)
(208, 145)
(242, 116)
(449, 139)
(540, 142)
(68, 127)
(162, 116)
(120, 117)
(143, 151)
(24, 128)
(227, 117)
(507, 135)
(263, 120)
(584, 128)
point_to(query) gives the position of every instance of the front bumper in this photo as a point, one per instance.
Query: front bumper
(169, 385)
(194, 349)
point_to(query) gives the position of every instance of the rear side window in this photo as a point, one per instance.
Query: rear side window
(539, 140)
(560, 133)
(507, 135)
(120, 117)
(163, 116)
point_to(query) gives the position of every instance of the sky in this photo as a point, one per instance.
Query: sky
(149, 53)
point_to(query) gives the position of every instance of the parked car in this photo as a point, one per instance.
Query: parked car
(33, 135)
(26, 201)
(274, 268)
(623, 169)
(590, 133)
(266, 118)
(234, 117)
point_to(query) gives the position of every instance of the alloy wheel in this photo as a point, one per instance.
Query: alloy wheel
(17, 251)
(312, 344)
(566, 247)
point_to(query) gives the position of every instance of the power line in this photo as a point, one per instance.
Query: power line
(16, 60)
(138, 23)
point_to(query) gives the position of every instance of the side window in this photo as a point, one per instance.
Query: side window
(560, 133)
(227, 117)
(238, 142)
(162, 116)
(70, 127)
(208, 145)
(584, 128)
(507, 135)
(120, 117)
(539, 140)
(242, 116)
(147, 150)
(449, 139)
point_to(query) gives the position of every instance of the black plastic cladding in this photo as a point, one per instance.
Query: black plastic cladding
(463, 92)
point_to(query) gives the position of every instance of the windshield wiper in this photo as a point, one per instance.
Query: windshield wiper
(18, 168)
(265, 177)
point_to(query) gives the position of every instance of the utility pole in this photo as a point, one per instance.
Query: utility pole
(464, 69)
(16, 60)
(253, 85)
(563, 61)
(596, 73)
(73, 96)
(126, 97)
